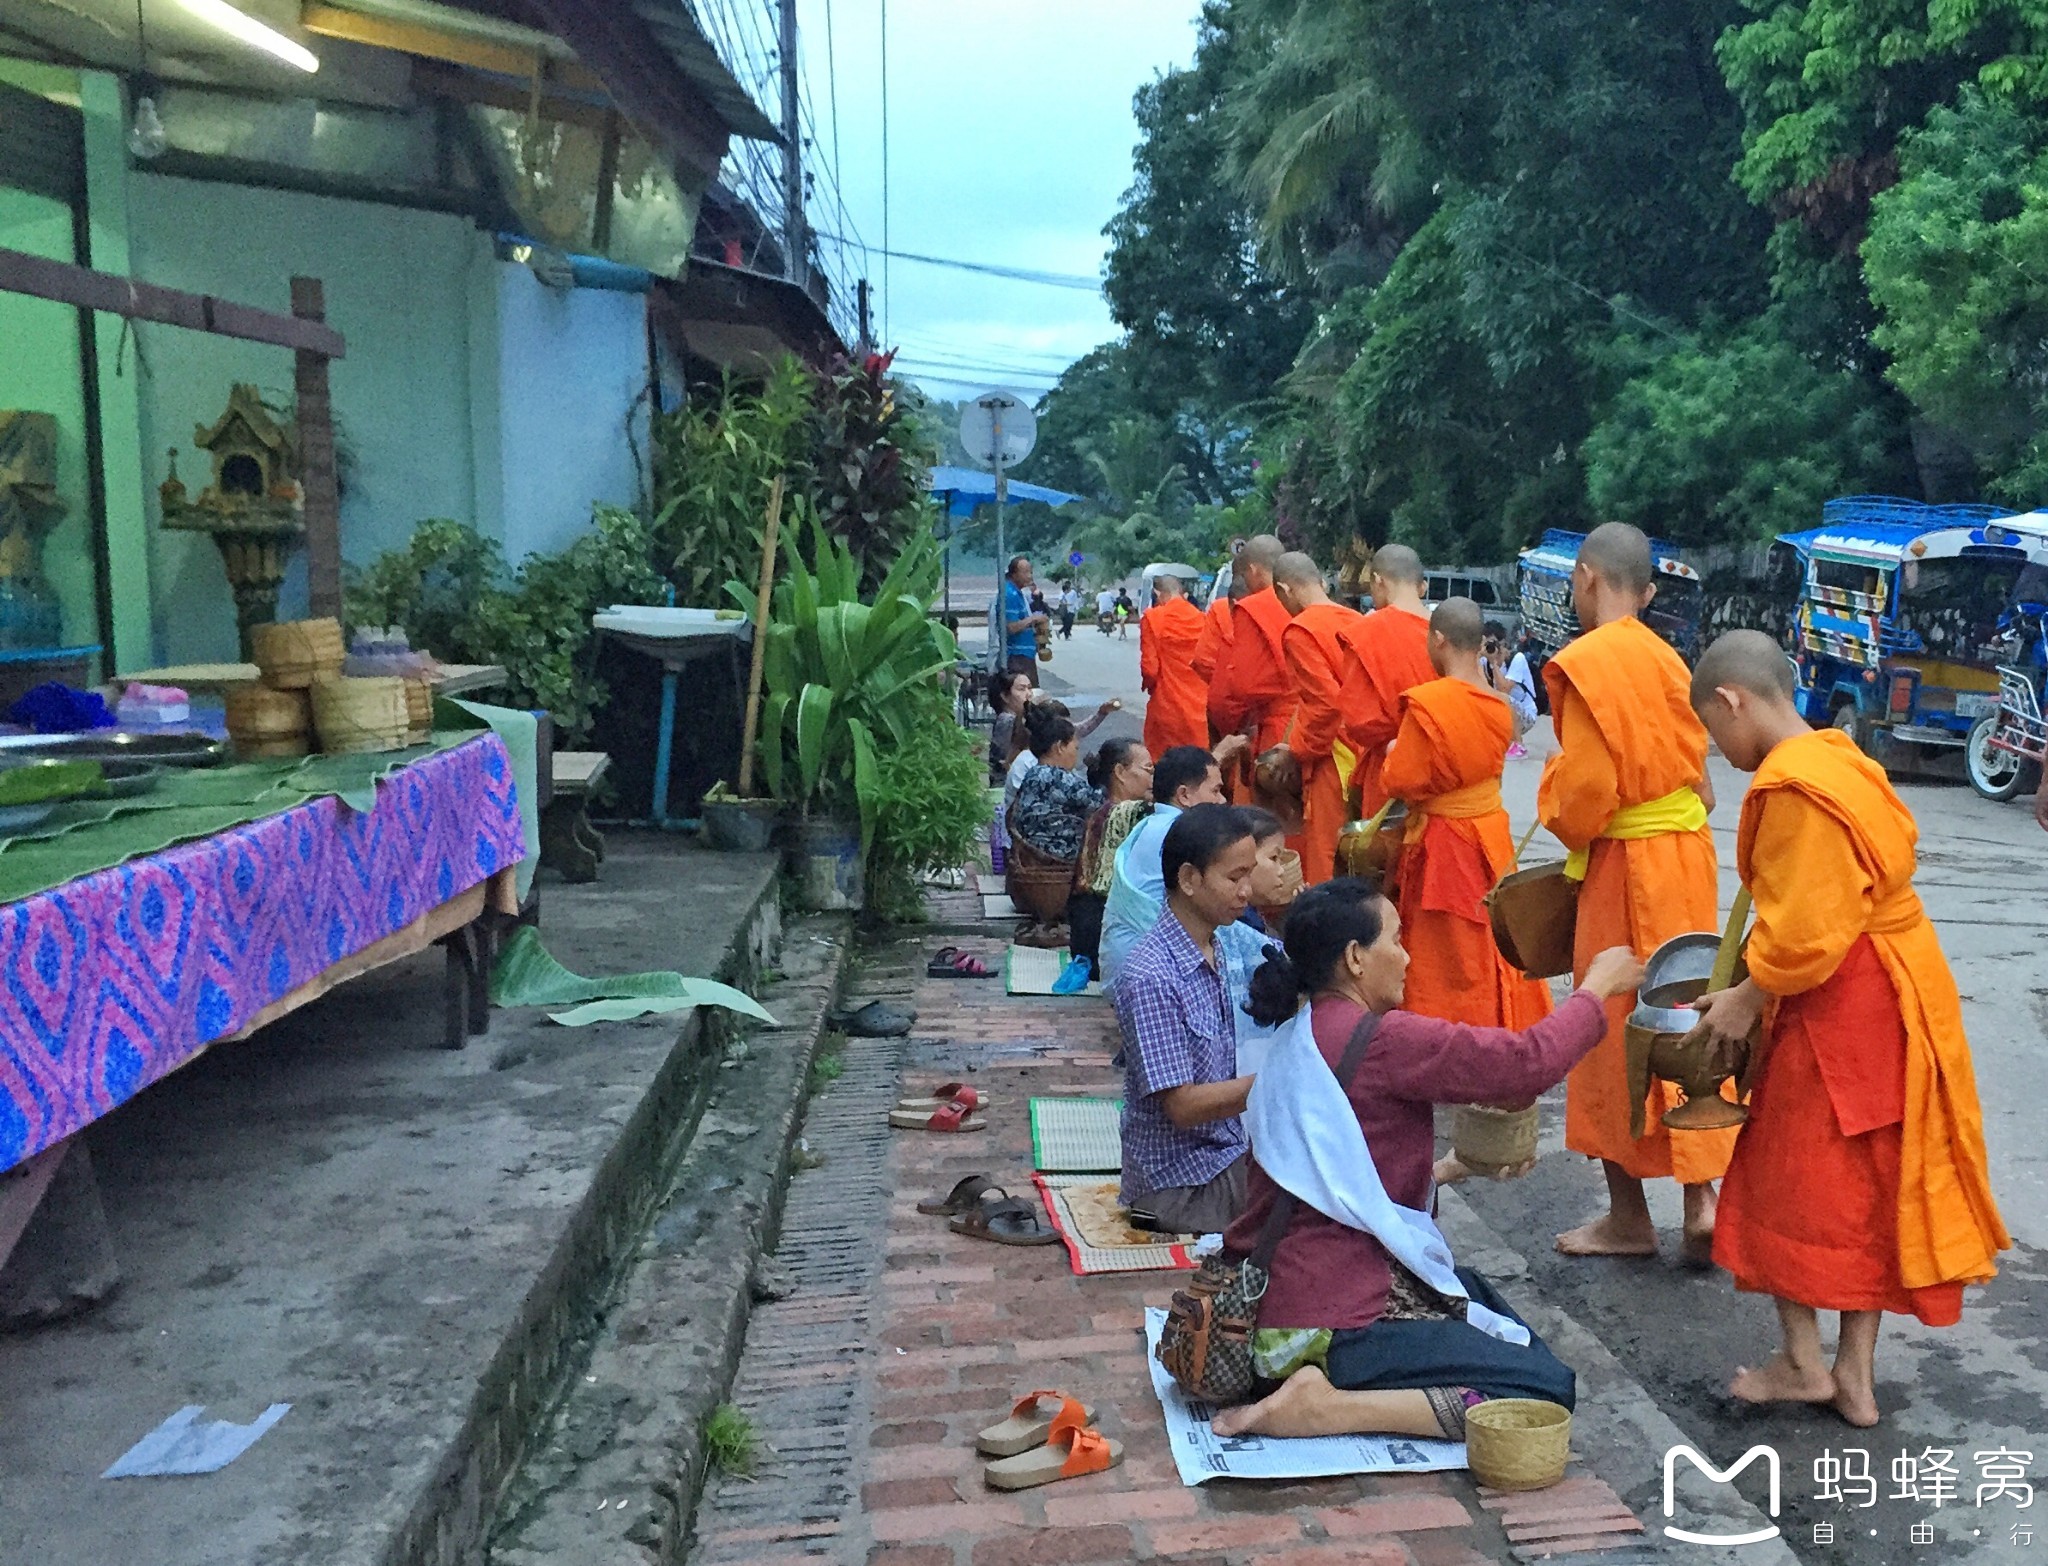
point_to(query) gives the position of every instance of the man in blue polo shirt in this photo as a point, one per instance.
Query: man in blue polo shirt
(1020, 625)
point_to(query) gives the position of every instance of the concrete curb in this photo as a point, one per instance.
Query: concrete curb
(614, 1478)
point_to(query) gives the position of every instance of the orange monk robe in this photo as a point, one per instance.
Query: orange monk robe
(1620, 703)
(1314, 649)
(1258, 669)
(1859, 1181)
(1176, 704)
(1212, 663)
(1445, 765)
(1389, 654)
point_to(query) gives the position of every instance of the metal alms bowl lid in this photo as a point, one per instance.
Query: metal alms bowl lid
(1685, 962)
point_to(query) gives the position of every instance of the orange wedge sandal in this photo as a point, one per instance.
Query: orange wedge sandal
(1072, 1449)
(1030, 1422)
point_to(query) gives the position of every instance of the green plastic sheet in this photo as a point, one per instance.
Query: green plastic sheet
(527, 974)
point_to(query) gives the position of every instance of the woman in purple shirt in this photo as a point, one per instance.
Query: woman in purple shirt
(1355, 1341)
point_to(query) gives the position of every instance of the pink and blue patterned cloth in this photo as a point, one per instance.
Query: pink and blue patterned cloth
(111, 981)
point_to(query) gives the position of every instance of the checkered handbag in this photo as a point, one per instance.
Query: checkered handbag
(1207, 1342)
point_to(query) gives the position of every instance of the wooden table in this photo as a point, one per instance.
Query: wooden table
(455, 679)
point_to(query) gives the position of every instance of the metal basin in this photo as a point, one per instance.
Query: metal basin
(1676, 973)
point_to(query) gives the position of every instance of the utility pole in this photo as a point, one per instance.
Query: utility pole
(795, 241)
(867, 319)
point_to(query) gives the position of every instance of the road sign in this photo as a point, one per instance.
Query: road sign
(998, 423)
(1076, 558)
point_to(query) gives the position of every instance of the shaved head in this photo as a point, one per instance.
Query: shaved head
(1238, 586)
(1296, 569)
(1459, 622)
(1263, 552)
(1398, 563)
(1619, 555)
(1745, 661)
(1167, 585)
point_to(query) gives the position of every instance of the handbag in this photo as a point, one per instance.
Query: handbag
(1207, 1342)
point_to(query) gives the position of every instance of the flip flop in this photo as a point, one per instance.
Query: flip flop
(946, 1093)
(1029, 1424)
(1008, 1222)
(949, 962)
(947, 1117)
(963, 1198)
(1071, 1450)
(875, 1020)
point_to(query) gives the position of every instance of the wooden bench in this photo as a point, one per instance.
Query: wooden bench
(568, 842)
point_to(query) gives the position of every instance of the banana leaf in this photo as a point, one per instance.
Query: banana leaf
(527, 974)
(38, 781)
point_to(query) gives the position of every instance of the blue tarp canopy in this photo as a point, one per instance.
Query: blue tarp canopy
(966, 488)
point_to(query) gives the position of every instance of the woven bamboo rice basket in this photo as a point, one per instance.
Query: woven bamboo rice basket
(1518, 1443)
(361, 714)
(294, 654)
(263, 722)
(1488, 1140)
(419, 710)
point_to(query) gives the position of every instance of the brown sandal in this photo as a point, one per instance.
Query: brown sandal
(963, 1198)
(1008, 1222)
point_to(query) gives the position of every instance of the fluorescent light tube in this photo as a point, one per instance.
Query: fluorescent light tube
(252, 32)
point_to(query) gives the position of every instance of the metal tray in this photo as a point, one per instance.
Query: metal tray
(162, 750)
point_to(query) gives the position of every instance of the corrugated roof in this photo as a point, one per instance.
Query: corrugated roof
(694, 55)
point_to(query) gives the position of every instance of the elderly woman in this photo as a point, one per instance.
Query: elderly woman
(1121, 771)
(1351, 1338)
(1052, 807)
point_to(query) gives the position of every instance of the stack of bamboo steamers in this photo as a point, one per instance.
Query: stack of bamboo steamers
(304, 698)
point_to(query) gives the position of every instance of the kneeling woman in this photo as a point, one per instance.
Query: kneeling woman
(1356, 1340)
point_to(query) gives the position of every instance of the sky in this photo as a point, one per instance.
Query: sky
(1010, 138)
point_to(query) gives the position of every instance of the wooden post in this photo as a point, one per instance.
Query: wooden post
(316, 459)
(751, 728)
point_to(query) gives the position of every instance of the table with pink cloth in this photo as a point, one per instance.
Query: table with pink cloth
(115, 979)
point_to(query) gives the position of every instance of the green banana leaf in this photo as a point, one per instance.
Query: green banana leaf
(38, 781)
(527, 974)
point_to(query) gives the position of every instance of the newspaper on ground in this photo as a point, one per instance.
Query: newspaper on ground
(1201, 1455)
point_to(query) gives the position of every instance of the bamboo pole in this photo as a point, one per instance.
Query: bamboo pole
(750, 731)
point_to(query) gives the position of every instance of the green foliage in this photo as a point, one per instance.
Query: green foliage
(715, 460)
(870, 458)
(1957, 265)
(731, 1442)
(430, 586)
(1738, 439)
(930, 803)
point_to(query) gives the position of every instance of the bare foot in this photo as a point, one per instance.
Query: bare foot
(1609, 1236)
(1701, 1203)
(1857, 1405)
(1285, 1411)
(1697, 1248)
(1778, 1380)
(1449, 1170)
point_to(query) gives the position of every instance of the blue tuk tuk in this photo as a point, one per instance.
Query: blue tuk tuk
(1544, 578)
(1898, 623)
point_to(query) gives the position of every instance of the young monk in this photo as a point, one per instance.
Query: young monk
(1176, 706)
(1314, 649)
(1389, 651)
(1859, 1182)
(1446, 764)
(1258, 668)
(1627, 795)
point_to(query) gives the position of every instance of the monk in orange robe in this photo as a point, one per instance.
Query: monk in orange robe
(1389, 653)
(1627, 795)
(1445, 764)
(1177, 698)
(1258, 667)
(1212, 660)
(1859, 1182)
(1314, 649)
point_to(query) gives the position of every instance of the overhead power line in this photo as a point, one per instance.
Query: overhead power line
(1018, 274)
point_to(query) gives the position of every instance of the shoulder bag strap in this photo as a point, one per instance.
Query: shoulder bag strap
(1282, 1213)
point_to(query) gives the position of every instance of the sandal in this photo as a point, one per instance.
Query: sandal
(1008, 1222)
(1071, 1450)
(875, 1020)
(963, 1198)
(949, 962)
(1028, 1425)
(947, 1117)
(946, 1093)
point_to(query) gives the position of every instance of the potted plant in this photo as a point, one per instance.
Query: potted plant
(739, 826)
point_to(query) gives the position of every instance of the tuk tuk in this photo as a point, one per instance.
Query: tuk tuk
(2006, 747)
(1898, 622)
(1543, 575)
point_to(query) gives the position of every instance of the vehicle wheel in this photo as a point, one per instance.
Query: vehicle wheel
(1996, 774)
(1852, 723)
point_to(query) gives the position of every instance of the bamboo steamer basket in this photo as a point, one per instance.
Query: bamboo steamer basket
(294, 654)
(419, 710)
(267, 723)
(1535, 915)
(361, 714)
(1518, 1443)
(1488, 1140)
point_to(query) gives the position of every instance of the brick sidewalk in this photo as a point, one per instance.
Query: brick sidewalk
(868, 1384)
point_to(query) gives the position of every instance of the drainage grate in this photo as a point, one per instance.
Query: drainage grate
(800, 1378)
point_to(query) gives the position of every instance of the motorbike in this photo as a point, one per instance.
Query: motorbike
(2007, 746)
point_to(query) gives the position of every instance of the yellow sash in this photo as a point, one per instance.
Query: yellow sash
(1346, 761)
(1681, 810)
(1460, 804)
